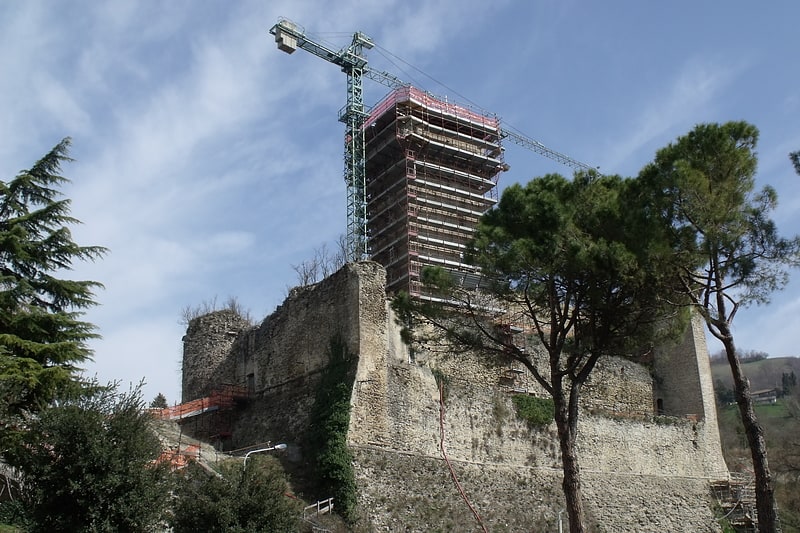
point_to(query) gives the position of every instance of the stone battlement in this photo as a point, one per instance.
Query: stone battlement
(657, 469)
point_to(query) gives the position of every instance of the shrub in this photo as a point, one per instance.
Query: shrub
(88, 464)
(330, 418)
(237, 500)
(536, 412)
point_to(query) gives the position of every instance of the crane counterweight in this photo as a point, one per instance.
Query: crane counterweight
(286, 40)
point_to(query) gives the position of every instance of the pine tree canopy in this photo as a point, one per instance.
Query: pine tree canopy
(42, 335)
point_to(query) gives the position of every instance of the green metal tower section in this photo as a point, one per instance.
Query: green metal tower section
(289, 37)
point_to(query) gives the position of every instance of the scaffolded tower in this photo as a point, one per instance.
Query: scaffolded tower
(435, 126)
(431, 172)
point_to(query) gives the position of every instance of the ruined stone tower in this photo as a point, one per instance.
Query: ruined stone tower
(648, 439)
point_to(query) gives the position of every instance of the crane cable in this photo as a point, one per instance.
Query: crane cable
(461, 98)
(394, 59)
(450, 466)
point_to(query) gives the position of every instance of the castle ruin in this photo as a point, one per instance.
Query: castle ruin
(649, 444)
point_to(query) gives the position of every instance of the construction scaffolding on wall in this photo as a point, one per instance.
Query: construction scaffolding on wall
(432, 169)
(211, 415)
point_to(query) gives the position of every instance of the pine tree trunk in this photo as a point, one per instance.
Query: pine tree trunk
(566, 421)
(765, 497)
(572, 487)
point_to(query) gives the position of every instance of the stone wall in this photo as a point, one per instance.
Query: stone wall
(683, 387)
(414, 493)
(207, 350)
(655, 468)
(619, 387)
(281, 359)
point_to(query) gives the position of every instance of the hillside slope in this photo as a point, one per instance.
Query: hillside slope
(764, 374)
(781, 423)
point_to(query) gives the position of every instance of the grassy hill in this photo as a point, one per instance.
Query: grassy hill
(764, 374)
(781, 423)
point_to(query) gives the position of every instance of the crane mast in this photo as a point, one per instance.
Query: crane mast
(353, 63)
(289, 37)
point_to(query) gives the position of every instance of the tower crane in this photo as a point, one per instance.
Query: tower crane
(353, 62)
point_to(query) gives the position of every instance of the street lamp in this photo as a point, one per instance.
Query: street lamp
(280, 446)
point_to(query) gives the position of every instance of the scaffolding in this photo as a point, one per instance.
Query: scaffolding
(736, 498)
(432, 169)
(218, 406)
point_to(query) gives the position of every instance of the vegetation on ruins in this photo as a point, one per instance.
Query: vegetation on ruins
(42, 336)
(534, 411)
(330, 420)
(727, 250)
(231, 304)
(579, 268)
(89, 463)
(324, 263)
(238, 498)
(442, 383)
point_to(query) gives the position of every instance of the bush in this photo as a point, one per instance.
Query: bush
(88, 464)
(237, 500)
(535, 411)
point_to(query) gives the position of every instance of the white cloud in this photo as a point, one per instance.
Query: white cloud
(209, 162)
(679, 107)
(149, 348)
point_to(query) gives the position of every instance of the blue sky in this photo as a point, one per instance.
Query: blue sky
(210, 163)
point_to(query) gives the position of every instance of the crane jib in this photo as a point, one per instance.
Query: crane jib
(289, 36)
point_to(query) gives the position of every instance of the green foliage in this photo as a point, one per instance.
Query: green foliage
(159, 402)
(795, 158)
(251, 499)
(535, 411)
(725, 243)
(782, 434)
(42, 337)
(583, 253)
(442, 382)
(724, 393)
(788, 382)
(403, 307)
(579, 265)
(725, 524)
(88, 464)
(12, 515)
(330, 420)
(663, 420)
(727, 250)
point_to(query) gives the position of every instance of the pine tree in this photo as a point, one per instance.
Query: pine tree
(580, 264)
(728, 249)
(159, 402)
(42, 336)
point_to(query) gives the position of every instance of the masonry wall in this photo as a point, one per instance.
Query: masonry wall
(282, 359)
(206, 352)
(683, 386)
(655, 469)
